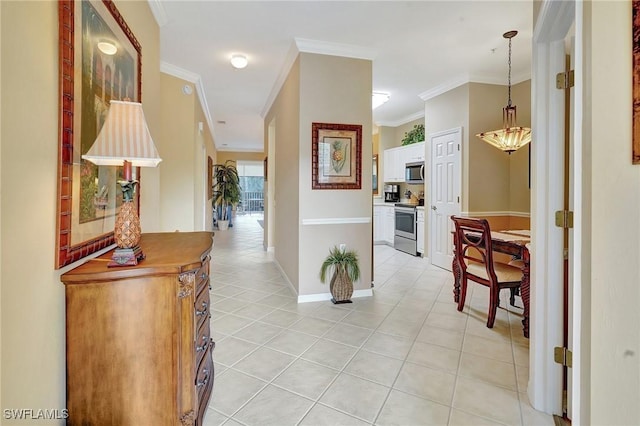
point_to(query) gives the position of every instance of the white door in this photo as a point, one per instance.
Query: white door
(445, 193)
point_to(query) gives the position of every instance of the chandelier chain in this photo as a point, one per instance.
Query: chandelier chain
(509, 104)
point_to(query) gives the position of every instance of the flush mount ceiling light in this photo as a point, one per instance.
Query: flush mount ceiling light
(378, 98)
(107, 47)
(239, 61)
(511, 137)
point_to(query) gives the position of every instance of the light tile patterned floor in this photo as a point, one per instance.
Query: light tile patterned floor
(405, 356)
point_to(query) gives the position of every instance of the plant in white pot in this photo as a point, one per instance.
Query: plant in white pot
(226, 191)
(344, 265)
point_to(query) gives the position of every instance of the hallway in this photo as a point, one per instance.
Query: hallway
(405, 356)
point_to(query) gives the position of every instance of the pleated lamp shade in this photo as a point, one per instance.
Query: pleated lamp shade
(124, 136)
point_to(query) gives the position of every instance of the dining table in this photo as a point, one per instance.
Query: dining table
(515, 243)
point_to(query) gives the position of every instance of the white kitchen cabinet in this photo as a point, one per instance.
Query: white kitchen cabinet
(383, 224)
(414, 152)
(395, 160)
(389, 224)
(393, 165)
(420, 231)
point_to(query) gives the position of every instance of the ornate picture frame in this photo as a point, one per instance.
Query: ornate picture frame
(89, 78)
(336, 156)
(636, 83)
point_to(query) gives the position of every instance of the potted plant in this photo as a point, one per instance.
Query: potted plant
(226, 191)
(414, 135)
(344, 265)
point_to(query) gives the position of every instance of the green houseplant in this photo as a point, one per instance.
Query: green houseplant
(414, 135)
(345, 268)
(226, 190)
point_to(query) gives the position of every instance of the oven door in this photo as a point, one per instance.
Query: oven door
(406, 222)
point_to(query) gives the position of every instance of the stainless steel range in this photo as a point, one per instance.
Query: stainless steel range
(405, 235)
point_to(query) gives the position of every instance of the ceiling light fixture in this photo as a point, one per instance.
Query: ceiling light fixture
(107, 47)
(511, 137)
(378, 98)
(239, 61)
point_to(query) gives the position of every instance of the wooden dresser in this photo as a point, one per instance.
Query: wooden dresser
(139, 347)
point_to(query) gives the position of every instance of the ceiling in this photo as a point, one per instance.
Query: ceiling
(418, 49)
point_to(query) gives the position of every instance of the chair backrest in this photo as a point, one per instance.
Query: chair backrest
(472, 241)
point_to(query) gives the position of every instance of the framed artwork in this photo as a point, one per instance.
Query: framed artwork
(636, 83)
(209, 178)
(374, 179)
(100, 60)
(336, 156)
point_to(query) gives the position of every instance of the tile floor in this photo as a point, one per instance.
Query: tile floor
(405, 356)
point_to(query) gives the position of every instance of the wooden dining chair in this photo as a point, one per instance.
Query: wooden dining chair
(474, 257)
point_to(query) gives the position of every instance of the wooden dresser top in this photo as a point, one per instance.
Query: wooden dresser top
(166, 253)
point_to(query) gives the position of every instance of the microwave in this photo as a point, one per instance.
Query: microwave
(414, 172)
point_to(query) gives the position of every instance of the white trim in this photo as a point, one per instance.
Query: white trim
(498, 213)
(320, 297)
(271, 249)
(284, 275)
(335, 49)
(289, 60)
(159, 13)
(194, 78)
(336, 220)
(401, 121)
(240, 149)
(547, 123)
(461, 80)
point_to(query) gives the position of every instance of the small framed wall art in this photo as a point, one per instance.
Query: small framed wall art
(336, 156)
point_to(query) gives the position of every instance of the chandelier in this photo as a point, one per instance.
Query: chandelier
(511, 137)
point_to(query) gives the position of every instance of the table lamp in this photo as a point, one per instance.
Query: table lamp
(124, 140)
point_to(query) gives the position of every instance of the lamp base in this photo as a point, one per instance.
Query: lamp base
(126, 257)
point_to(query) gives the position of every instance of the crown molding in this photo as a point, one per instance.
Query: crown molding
(159, 13)
(232, 149)
(335, 49)
(289, 60)
(194, 78)
(477, 78)
(401, 121)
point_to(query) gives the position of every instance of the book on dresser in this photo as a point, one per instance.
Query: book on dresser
(138, 339)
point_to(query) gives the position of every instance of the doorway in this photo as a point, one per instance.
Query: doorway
(251, 175)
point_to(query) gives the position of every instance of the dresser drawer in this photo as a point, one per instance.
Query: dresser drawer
(202, 305)
(205, 375)
(202, 342)
(202, 275)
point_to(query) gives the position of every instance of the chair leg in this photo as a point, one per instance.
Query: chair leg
(512, 299)
(463, 292)
(494, 295)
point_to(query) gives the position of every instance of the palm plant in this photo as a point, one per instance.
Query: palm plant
(226, 189)
(345, 268)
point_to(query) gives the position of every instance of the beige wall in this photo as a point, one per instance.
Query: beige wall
(611, 226)
(240, 156)
(308, 95)
(184, 149)
(323, 79)
(33, 317)
(492, 181)
(284, 114)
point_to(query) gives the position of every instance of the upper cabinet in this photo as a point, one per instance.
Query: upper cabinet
(395, 160)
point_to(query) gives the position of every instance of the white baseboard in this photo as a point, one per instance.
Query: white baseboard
(319, 297)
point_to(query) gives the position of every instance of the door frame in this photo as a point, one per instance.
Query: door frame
(554, 22)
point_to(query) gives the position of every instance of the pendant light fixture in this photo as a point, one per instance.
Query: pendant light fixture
(511, 137)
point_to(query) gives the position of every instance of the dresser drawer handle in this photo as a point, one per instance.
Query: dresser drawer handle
(203, 347)
(206, 379)
(204, 276)
(204, 309)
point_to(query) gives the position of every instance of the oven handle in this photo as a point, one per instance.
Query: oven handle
(406, 209)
